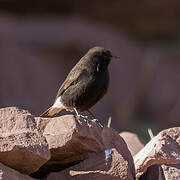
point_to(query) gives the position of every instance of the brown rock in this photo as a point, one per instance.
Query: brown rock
(162, 149)
(111, 139)
(135, 144)
(22, 146)
(162, 172)
(72, 140)
(7, 173)
(171, 172)
(153, 172)
(133, 141)
(97, 168)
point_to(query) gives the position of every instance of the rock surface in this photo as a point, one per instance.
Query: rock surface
(111, 139)
(68, 147)
(162, 149)
(7, 173)
(133, 141)
(22, 146)
(72, 140)
(97, 168)
(154, 172)
(171, 172)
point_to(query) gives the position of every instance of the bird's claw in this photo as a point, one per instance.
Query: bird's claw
(81, 116)
(97, 121)
(86, 119)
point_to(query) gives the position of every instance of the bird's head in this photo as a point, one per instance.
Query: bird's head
(101, 56)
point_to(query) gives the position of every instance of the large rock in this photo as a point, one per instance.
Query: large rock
(135, 144)
(22, 146)
(133, 141)
(162, 149)
(171, 172)
(162, 172)
(154, 172)
(7, 173)
(97, 168)
(111, 139)
(72, 140)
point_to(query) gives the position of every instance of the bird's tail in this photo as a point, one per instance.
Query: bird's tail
(51, 112)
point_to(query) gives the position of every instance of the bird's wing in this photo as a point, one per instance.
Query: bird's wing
(73, 77)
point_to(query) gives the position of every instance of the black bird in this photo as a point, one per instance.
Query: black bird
(85, 85)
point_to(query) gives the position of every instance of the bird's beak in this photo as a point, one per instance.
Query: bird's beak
(115, 57)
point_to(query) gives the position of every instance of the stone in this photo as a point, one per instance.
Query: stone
(22, 146)
(162, 172)
(154, 172)
(97, 168)
(71, 140)
(133, 141)
(7, 173)
(111, 139)
(162, 149)
(171, 172)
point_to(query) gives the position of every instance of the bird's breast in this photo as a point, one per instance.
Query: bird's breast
(88, 91)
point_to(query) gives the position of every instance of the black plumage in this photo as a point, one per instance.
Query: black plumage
(85, 85)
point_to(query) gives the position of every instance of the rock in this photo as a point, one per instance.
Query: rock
(133, 141)
(162, 172)
(7, 173)
(72, 140)
(22, 146)
(97, 168)
(154, 172)
(162, 149)
(171, 172)
(135, 144)
(111, 139)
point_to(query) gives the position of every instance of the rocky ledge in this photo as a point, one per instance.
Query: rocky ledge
(68, 147)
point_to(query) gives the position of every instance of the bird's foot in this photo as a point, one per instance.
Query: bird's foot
(80, 115)
(83, 117)
(97, 121)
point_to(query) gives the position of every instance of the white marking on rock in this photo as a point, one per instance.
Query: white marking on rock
(108, 153)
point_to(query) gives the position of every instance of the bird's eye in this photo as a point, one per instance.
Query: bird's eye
(107, 54)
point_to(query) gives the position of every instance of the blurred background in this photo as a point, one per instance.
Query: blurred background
(40, 41)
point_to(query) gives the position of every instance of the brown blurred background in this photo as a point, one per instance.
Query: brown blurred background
(40, 41)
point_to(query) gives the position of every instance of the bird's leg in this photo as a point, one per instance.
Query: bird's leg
(80, 115)
(76, 112)
(95, 119)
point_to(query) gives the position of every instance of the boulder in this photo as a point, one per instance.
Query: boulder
(111, 139)
(162, 149)
(171, 172)
(7, 173)
(162, 172)
(22, 146)
(97, 168)
(133, 141)
(154, 172)
(72, 140)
